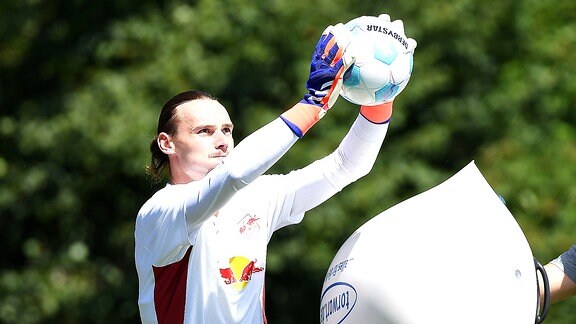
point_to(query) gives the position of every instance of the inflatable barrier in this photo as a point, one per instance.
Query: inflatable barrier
(452, 254)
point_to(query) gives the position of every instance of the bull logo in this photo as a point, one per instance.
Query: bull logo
(240, 272)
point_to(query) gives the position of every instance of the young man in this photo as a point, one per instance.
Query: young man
(201, 241)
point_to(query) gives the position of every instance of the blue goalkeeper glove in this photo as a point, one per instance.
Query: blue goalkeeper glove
(329, 62)
(327, 67)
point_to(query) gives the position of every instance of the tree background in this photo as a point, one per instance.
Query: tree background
(82, 83)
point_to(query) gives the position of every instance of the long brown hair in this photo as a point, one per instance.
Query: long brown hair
(167, 123)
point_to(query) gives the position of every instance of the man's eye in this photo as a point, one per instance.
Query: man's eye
(227, 130)
(203, 130)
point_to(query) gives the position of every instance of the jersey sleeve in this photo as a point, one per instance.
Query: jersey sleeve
(317, 182)
(250, 159)
(174, 214)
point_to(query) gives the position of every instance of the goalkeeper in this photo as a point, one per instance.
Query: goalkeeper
(201, 241)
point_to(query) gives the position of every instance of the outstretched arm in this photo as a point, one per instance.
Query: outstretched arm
(356, 154)
(258, 152)
(353, 159)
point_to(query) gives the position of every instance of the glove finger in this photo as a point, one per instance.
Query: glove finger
(342, 35)
(386, 17)
(333, 96)
(411, 44)
(335, 88)
(343, 38)
(398, 26)
(330, 48)
(332, 52)
(334, 56)
(327, 30)
(348, 59)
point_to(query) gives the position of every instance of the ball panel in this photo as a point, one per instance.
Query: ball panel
(358, 95)
(386, 93)
(401, 69)
(384, 52)
(352, 77)
(374, 74)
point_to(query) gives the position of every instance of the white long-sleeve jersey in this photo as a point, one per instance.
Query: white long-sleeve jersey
(201, 247)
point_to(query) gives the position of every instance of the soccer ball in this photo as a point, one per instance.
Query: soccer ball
(383, 62)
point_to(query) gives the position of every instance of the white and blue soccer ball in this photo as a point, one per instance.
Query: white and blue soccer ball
(384, 61)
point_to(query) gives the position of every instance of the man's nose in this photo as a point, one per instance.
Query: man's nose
(220, 140)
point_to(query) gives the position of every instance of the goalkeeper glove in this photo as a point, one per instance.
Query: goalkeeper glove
(381, 114)
(327, 67)
(324, 82)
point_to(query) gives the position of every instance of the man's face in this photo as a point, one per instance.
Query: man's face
(203, 138)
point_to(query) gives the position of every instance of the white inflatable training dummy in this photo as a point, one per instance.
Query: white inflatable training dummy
(452, 254)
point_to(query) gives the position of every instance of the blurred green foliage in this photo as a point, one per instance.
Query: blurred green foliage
(82, 83)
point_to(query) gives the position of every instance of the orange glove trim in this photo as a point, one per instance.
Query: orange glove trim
(303, 116)
(379, 114)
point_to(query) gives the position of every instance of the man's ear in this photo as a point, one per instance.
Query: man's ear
(165, 143)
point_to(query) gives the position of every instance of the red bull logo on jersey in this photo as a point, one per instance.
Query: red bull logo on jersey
(239, 274)
(248, 226)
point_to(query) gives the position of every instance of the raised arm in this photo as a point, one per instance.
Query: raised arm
(356, 154)
(259, 151)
